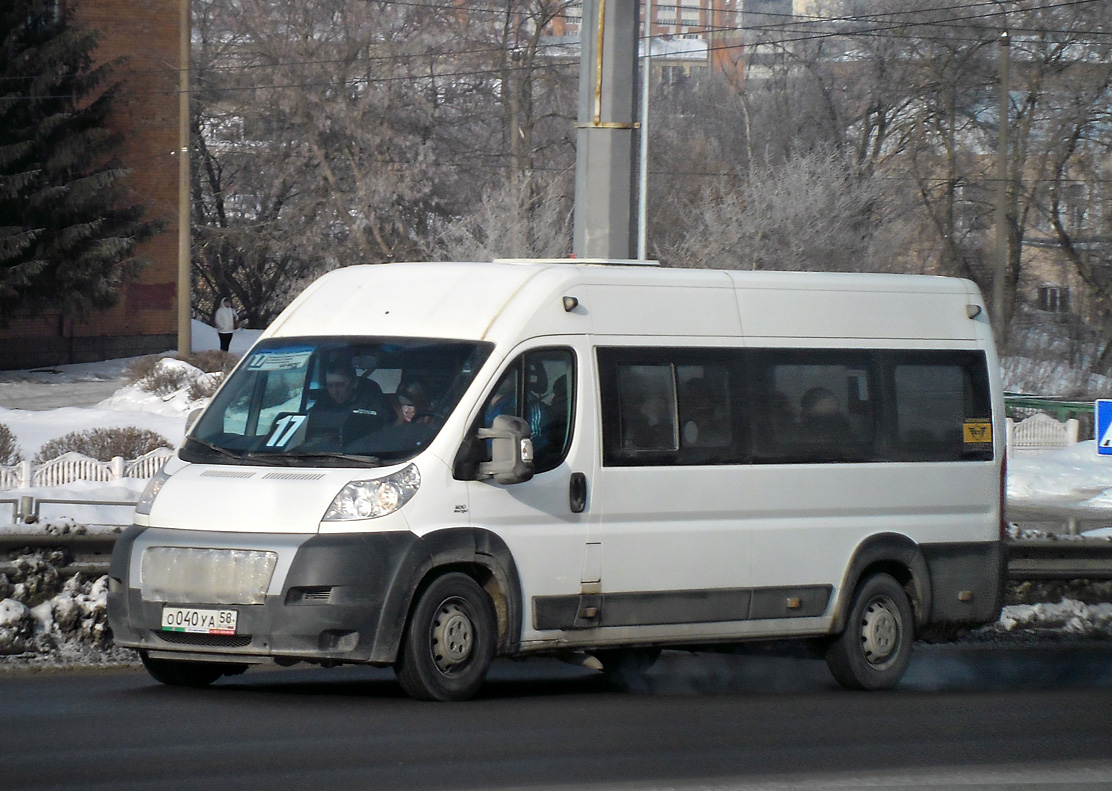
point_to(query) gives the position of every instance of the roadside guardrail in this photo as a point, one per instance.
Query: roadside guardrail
(84, 554)
(1039, 559)
(1027, 559)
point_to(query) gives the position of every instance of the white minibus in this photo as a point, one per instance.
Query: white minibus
(431, 465)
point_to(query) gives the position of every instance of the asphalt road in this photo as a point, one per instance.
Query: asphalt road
(983, 717)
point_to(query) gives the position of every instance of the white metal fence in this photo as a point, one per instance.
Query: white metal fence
(76, 467)
(1040, 433)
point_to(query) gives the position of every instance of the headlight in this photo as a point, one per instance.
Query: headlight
(376, 497)
(154, 486)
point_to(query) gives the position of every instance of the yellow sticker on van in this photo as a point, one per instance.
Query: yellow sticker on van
(977, 432)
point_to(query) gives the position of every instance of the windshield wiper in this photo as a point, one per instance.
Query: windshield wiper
(362, 461)
(216, 449)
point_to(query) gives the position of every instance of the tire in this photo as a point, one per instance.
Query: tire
(875, 648)
(449, 641)
(176, 673)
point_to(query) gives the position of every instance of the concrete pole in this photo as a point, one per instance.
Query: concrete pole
(1000, 274)
(604, 141)
(185, 286)
(643, 134)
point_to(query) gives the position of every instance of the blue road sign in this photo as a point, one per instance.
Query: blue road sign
(1104, 427)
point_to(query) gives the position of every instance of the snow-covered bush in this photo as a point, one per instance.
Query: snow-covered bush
(198, 374)
(103, 444)
(166, 375)
(10, 452)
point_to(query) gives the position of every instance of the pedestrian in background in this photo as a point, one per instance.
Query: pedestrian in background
(225, 320)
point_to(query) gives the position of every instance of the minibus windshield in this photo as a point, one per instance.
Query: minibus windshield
(334, 402)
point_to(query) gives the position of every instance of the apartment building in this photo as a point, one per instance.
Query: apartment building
(147, 33)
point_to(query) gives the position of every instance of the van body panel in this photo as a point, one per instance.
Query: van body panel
(394, 301)
(668, 310)
(549, 542)
(250, 499)
(665, 528)
(839, 506)
(840, 314)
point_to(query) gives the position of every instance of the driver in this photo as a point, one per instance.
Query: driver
(350, 407)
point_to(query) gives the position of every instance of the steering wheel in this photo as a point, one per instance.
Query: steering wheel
(429, 417)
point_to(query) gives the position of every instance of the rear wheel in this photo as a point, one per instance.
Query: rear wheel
(449, 641)
(176, 673)
(875, 648)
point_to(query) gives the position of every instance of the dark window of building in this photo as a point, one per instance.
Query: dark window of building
(1053, 299)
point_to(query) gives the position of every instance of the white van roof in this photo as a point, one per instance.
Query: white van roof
(506, 301)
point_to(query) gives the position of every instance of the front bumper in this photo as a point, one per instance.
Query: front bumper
(332, 598)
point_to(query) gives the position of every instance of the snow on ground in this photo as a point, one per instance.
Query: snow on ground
(127, 405)
(44, 620)
(34, 428)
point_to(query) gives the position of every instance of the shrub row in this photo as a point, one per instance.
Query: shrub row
(102, 444)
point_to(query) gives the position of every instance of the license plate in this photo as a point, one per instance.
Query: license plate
(191, 619)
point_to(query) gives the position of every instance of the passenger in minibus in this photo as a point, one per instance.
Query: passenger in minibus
(703, 424)
(650, 426)
(821, 419)
(408, 402)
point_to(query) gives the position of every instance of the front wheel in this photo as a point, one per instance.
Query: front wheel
(874, 649)
(449, 641)
(176, 673)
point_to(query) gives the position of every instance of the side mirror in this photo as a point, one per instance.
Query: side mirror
(511, 450)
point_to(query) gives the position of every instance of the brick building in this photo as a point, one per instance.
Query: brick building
(147, 32)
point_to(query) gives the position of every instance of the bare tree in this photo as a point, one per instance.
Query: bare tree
(515, 220)
(334, 132)
(808, 213)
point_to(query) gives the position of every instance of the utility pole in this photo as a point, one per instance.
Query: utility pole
(1000, 275)
(643, 134)
(185, 287)
(604, 139)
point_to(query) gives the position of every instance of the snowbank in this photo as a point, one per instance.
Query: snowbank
(44, 620)
(69, 517)
(1075, 474)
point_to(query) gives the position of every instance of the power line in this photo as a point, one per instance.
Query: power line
(790, 21)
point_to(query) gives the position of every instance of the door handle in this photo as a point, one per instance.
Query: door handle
(577, 492)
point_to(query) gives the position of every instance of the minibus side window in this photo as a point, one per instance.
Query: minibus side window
(538, 386)
(942, 407)
(669, 406)
(813, 406)
(706, 423)
(647, 408)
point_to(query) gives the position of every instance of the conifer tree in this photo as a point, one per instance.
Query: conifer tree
(67, 231)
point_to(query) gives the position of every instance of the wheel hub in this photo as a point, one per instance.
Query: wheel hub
(880, 632)
(453, 637)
